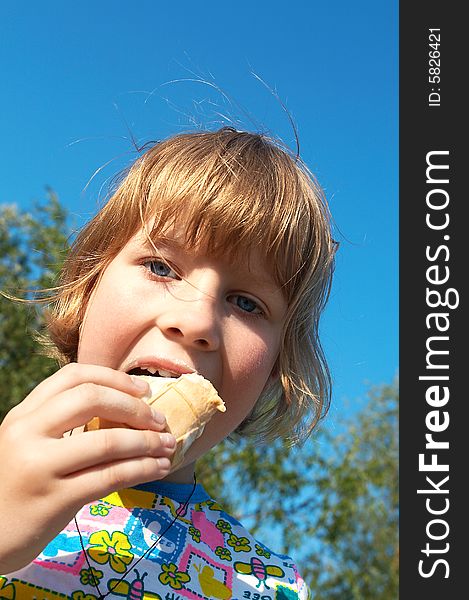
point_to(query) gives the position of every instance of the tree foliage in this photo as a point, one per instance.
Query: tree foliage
(332, 504)
(32, 247)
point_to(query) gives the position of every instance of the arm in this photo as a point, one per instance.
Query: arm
(47, 475)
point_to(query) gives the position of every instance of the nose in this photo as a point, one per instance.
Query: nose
(192, 323)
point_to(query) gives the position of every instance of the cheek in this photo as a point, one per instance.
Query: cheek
(106, 320)
(252, 362)
(254, 359)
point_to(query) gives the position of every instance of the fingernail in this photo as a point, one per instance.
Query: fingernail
(141, 385)
(168, 440)
(158, 417)
(164, 463)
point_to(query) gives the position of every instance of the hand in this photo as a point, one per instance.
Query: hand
(47, 475)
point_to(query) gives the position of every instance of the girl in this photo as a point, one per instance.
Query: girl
(215, 256)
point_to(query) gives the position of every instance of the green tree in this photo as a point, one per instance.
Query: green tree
(32, 247)
(332, 504)
(357, 521)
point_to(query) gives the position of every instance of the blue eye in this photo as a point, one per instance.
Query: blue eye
(247, 305)
(160, 269)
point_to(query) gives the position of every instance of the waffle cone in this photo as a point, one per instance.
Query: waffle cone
(187, 402)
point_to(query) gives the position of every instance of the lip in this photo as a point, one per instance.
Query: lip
(176, 366)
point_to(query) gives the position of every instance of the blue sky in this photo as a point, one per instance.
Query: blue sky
(76, 77)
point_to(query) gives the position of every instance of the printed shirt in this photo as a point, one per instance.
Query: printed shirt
(148, 542)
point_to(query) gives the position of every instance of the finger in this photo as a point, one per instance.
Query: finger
(92, 448)
(75, 374)
(97, 482)
(77, 406)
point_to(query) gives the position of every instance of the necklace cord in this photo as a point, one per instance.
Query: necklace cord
(182, 508)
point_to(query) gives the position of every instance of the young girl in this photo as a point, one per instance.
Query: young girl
(215, 256)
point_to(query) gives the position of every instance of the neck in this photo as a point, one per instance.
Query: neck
(183, 475)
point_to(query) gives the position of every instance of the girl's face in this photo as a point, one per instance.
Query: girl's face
(188, 312)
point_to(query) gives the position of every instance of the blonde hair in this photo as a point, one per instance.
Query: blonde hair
(236, 191)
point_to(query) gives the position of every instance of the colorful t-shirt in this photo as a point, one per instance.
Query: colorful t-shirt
(147, 543)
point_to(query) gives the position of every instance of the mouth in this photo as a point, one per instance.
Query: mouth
(153, 371)
(158, 367)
